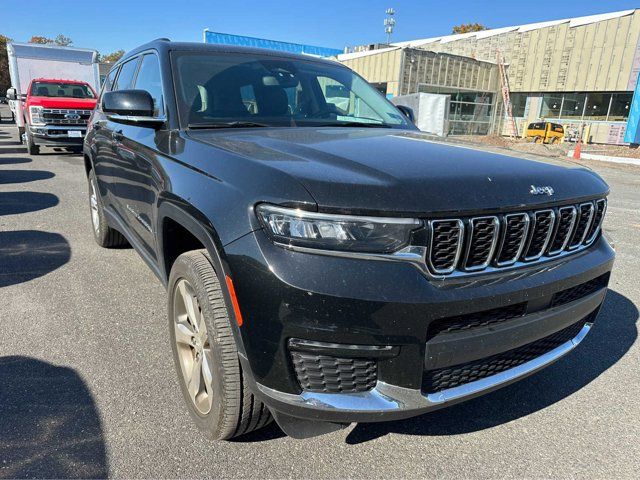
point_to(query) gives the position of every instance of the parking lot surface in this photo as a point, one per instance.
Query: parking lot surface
(88, 388)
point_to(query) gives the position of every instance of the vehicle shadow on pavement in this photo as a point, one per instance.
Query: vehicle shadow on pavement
(4, 150)
(29, 254)
(615, 331)
(12, 203)
(24, 176)
(14, 160)
(49, 424)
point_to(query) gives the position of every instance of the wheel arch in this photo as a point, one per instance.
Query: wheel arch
(176, 212)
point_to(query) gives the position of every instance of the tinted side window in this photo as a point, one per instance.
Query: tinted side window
(108, 82)
(149, 79)
(127, 72)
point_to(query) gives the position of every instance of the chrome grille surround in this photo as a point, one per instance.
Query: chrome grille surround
(452, 240)
(516, 239)
(527, 237)
(585, 215)
(482, 231)
(596, 224)
(542, 223)
(564, 228)
(55, 116)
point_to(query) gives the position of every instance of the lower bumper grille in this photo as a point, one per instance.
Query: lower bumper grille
(580, 291)
(328, 374)
(450, 377)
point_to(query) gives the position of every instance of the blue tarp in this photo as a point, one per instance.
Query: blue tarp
(632, 132)
(228, 39)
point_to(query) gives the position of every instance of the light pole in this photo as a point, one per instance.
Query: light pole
(389, 23)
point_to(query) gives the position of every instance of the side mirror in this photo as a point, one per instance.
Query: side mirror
(12, 94)
(407, 112)
(132, 107)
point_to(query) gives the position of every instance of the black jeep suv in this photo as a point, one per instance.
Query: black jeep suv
(326, 262)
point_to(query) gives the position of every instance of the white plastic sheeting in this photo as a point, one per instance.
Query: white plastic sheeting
(573, 22)
(431, 111)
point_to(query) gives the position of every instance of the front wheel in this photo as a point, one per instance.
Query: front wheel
(205, 354)
(32, 148)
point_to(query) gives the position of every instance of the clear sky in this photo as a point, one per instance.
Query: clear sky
(113, 24)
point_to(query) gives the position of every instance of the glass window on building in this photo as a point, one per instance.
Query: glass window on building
(551, 103)
(519, 104)
(620, 106)
(573, 105)
(597, 106)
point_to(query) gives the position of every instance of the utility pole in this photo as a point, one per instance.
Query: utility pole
(389, 23)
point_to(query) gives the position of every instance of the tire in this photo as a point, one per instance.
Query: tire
(104, 235)
(224, 407)
(32, 148)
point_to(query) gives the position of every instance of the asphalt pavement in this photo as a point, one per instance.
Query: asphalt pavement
(88, 388)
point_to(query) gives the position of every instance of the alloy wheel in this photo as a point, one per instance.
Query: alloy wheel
(95, 215)
(193, 346)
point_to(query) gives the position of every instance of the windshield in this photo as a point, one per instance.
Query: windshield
(254, 90)
(70, 90)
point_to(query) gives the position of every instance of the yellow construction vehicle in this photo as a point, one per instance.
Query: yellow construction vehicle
(545, 132)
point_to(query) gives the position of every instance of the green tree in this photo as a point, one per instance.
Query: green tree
(112, 57)
(63, 41)
(468, 27)
(5, 79)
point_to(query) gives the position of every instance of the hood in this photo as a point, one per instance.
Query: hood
(385, 170)
(63, 102)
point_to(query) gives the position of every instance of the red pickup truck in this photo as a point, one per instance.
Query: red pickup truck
(56, 113)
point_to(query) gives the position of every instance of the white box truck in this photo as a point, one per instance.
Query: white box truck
(53, 91)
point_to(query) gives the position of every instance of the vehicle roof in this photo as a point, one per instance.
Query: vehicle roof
(59, 80)
(163, 45)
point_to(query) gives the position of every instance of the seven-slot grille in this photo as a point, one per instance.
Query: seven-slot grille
(63, 116)
(474, 244)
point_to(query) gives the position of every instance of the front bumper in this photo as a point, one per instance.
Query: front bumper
(58, 135)
(347, 303)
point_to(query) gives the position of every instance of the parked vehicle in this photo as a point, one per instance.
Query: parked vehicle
(545, 132)
(53, 93)
(330, 264)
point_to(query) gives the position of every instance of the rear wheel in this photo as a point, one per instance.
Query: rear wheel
(211, 379)
(104, 235)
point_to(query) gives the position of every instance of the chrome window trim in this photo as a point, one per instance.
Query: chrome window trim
(574, 246)
(523, 242)
(531, 258)
(593, 236)
(443, 271)
(494, 241)
(574, 216)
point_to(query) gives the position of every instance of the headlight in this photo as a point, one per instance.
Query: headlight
(336, 232)
(36, 114)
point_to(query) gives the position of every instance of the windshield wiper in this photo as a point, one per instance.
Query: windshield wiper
(352, 124)
(236, 124)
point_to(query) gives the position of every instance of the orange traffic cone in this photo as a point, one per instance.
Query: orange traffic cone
(576, 151)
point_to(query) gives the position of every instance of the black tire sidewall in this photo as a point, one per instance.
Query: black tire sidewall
(213, 422)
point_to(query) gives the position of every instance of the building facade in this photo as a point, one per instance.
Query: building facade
(472, 84)
(580, 72)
